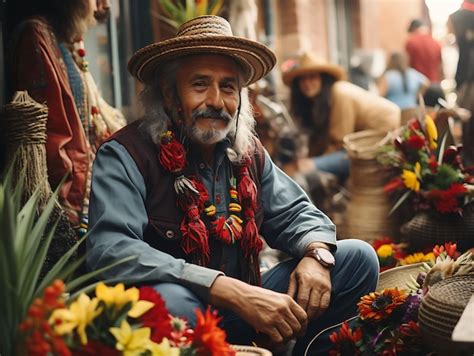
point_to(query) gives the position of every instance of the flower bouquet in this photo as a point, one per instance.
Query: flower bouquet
(434, 177)
(116, 321)
(387, 322)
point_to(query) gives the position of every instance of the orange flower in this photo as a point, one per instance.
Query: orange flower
(449, 248)
(208, 338)
(378, 306)
(345, 340)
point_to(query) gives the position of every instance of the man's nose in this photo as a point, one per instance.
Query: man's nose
(214, 98)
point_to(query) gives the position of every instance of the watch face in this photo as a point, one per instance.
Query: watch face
(326, 256)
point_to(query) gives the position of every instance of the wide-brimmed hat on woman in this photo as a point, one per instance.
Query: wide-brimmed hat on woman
(308, 63)
(204, 35)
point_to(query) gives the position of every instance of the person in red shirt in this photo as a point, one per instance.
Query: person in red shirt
(424, 51)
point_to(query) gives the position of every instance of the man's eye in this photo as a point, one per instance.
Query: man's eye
(228, 87)
(199, 84)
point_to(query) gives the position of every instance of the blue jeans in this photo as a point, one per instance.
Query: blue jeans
(355, 274)
(336, 163)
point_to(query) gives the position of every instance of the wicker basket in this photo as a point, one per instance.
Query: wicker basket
(398, 277)
(367, 211)
(440, 311)
(243, 350)
(429, 228)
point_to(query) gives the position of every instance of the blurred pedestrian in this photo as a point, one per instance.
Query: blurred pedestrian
(401, 84)
(424, 51)
(461, 24)
(48, 59)
(328, 108)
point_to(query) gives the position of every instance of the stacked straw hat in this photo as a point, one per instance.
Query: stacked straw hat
(440, 311)
(204, 35)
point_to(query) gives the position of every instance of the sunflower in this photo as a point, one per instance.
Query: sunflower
(378, 306)
(418, 257)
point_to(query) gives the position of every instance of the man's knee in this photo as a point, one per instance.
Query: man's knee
(180, 301)
(359, 257)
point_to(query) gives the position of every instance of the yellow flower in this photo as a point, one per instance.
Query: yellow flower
(131, 342)
(417, 257)
(117, 296)
(385, 251)
(79, 315)
(163, 349)
(410, 178)
(431, 132)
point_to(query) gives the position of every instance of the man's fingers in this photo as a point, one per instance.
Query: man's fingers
(303, 296)
(319, 303)
(313, 309)
(301, 315)
(285, 330)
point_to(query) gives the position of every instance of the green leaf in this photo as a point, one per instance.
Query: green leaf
(216, 7)
(399, 202)
(441, 148)
(190, 10)
(88, 276)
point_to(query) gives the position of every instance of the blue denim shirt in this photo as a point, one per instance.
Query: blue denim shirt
(118, 218)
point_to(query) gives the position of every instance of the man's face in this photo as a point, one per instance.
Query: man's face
(208, 92)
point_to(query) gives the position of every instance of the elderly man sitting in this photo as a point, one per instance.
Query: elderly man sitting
(189, 189)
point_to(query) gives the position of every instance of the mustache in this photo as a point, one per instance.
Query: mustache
(211, 113)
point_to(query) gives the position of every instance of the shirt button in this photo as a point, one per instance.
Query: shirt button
(170, 234)
(202, 165)
(218, 198)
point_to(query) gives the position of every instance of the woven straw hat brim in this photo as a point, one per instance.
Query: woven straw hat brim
(331, 69)
(255, 59)
(398, 277)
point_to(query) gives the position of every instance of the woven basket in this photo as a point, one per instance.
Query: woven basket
(398, 277)
(367, 211)
(440, 311)
(429, 228)
(243, 350)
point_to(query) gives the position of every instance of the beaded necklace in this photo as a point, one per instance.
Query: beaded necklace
(193, 199)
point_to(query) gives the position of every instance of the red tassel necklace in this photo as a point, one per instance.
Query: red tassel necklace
(193, 199)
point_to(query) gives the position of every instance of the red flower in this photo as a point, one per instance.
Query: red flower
(380, 305)
(415, 142)
(394, 184)
(158, 317)
(414, 124)
(172, 153)
(447, 205)
(345, 341)
(208, 338)
(385, 240)
(449, 248)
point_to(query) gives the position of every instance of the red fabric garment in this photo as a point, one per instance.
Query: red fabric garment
(425, 55)
(37, 66)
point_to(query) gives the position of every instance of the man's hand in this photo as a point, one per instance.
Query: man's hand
(274, 314)
(310, 286)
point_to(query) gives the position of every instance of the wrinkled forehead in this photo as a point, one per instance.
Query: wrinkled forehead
(209, 64)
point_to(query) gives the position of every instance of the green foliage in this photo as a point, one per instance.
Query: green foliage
(22, 254)
(177, 12)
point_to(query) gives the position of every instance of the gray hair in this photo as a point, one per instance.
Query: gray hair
(157, 119)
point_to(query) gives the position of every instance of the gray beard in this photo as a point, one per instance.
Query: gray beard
(207, 137)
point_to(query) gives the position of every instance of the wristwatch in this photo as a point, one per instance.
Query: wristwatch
(323, 256)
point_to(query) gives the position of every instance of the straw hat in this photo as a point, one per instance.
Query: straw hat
(308, 63)
(204, 35)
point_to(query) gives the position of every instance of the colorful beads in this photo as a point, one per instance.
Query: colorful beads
(210, 210)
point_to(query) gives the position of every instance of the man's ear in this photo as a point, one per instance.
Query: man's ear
(169, 95)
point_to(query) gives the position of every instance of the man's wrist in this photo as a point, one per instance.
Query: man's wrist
(314, 245)
(322, 254)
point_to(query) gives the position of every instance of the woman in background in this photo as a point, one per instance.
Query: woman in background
(401, 84)
(328, 108)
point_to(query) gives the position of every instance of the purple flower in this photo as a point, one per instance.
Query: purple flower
(412, 304)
